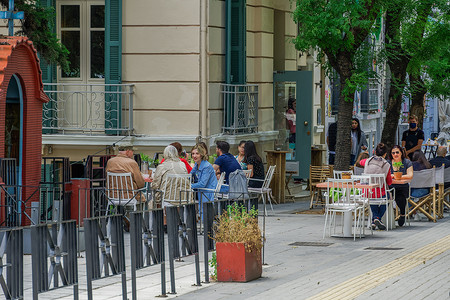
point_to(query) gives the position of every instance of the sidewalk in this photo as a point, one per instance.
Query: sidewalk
(342, 270)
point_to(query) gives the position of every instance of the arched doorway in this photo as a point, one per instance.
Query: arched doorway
(14, 124)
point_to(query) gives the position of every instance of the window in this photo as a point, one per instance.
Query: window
(235, 42)
(81, 27)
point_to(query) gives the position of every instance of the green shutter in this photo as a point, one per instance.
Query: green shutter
(48, 76)
(235, 42)
(113, 63)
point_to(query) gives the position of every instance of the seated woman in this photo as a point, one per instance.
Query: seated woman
(377, 164)
(203, 173)
(240, 157)
(171, 165)
(401, 190)
(254, 163)
(182, 155)
(419, 162)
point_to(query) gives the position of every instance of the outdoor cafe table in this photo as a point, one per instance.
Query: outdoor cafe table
(348, 218)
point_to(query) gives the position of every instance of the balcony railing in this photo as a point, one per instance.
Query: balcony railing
(240, 108)
(94, 109)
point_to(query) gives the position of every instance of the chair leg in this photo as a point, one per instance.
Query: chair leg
(269, 196)
(325, 226)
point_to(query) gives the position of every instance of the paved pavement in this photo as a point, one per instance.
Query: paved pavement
(418, 268)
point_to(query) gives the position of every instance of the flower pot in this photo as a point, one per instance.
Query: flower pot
(346, 176)
(398, 175)
(234, 263)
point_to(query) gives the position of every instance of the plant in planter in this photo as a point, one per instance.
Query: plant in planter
(347, 175)
(238, 245)
(396, 166)
(145, 163)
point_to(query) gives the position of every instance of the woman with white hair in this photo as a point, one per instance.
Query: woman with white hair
(171, 165)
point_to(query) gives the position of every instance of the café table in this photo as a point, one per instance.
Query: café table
(348, 217)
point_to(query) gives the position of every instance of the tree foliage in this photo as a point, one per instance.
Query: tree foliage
(37, 26)
(338, 30)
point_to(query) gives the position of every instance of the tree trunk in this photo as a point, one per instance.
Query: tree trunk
(393, 108)
(417, 97)
(344, 121)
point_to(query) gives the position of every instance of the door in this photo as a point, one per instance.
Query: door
(293, 116)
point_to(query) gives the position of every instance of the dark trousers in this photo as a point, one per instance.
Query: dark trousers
(401, 194)
(331, 159)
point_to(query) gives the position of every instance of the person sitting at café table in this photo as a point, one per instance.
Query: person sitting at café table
(254, 163)
(171, 165)
(401, 189)
(203, 173)
(225, 162)
(440, 160)
(124, 163)
(241, 155)
(378, 164)
(182, 155)
(419, 163)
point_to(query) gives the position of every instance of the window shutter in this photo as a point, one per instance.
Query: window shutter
(113, 64)
(236, 40)
(48, 76)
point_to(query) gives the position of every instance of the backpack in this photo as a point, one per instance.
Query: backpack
(376, 165)
(238, 185)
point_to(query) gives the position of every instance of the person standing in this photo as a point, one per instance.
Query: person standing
(331, 142)
(291, 117)
(225, 162)
(412, 138)
(359, 141)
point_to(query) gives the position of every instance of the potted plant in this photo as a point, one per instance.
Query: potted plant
(238, 245)
(145, 163)
(396, 166)
(347, 175)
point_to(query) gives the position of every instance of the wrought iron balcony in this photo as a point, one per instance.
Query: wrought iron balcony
(240, 108)
(94, 109)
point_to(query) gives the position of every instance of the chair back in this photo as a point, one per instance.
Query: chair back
(319, 173)
(119, 186)
(447, 175)
(177, 189)
(268, 178)
(424, 178)
(440, 175)
(378, 192)
(247, 174)
(341, 192)
(338, 174)
(358, 170)
(219, 184)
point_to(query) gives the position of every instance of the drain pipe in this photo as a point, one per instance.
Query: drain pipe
(203, 115)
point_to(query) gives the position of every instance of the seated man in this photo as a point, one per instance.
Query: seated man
(124, 163)
(225, 162)
(440, 160)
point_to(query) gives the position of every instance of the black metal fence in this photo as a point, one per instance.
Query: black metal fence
(54, 245)
(54, 248)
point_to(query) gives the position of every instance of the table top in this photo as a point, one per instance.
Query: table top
(327, 184)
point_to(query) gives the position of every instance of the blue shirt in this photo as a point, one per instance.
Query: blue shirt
(227, 164)
(205, 177)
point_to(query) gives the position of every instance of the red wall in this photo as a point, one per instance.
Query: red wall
(22, 62)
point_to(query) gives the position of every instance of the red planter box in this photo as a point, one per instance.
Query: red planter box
(236, 264)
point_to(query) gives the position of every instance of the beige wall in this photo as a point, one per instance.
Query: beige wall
(160, 55)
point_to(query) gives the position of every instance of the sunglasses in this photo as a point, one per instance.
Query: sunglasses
(396, 152)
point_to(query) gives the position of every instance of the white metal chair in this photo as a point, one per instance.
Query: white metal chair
(177, 190)
(247, 174)
(120, 190)
(346, 203)
(265, 191)
(217, 195)
(338, 174)
(377, 198)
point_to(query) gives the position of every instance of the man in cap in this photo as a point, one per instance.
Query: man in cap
(124, 163)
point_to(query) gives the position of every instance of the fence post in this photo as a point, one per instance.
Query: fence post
(12, 246)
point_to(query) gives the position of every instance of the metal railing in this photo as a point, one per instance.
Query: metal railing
(240, 108)
(93, 109)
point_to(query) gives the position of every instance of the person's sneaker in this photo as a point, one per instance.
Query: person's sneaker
(401, 221)
(379, 224)
(374, 226)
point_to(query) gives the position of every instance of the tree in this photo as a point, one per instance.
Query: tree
(412, 44)
(37, 26)
(338, 29)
